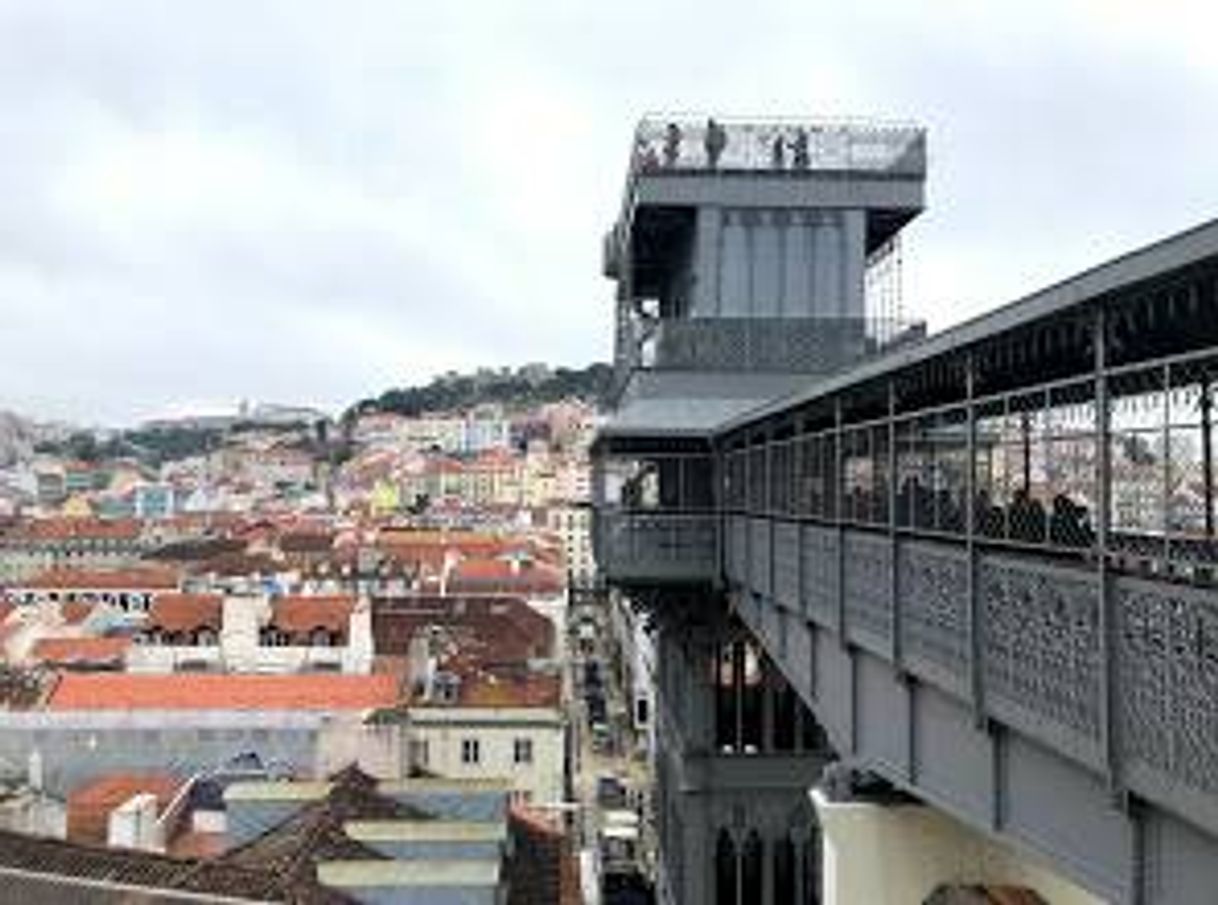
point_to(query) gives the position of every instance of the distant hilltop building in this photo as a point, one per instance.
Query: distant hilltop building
(259, 414)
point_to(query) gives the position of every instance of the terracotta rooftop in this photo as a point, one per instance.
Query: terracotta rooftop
(131, 579)
(307, 542)
(301, 614)
(196, 548)
(238, 563)
(75, 612)
(491, 628)
(185, 691)
(505, 575)
(58, 529)
(59, 862)
(542, 866)
(490, 689)
(186, 612)
(90, 804)
(80, 651)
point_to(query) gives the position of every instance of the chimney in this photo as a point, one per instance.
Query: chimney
(34, 770)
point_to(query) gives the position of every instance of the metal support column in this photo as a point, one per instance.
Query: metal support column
(894, 584)
(1109, 740)
(768, 513)
(975, 628)
(837, 518)
(797, 512)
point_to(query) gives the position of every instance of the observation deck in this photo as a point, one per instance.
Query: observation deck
(792, 164)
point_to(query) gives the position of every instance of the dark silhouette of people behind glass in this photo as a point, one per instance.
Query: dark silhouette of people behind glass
(714, 142)
(799, 149)
(672, 144)
(1027, 518)
(1069, 523)
(778, 159)
(645, 154)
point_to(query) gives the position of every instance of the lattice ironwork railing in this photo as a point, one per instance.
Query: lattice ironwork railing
(657, 544)
(868, 585)
(933, 596)
(1168, 655)
(1041, 642)
(797, 345)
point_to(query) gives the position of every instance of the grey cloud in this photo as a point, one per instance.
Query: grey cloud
(336, 197)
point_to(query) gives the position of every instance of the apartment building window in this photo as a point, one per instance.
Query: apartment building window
(522, 751)
(470, 751)
(419, 753)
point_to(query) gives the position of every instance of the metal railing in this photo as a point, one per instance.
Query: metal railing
(806, 345)
(671, 143)
(657, 545)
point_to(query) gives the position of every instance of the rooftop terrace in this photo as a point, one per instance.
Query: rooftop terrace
(684, 143)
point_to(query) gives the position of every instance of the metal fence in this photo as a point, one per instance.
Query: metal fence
(689, 143)
(796, 345)
(1033, 459)
(659, 545)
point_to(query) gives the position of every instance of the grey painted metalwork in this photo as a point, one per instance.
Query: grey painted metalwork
(988, 560)
(1041, 641)
(659, 546)
(820, 561)
(933, 580)
(868, 587)
(804, 345)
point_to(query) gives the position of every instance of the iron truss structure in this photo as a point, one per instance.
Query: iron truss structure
(987, 560)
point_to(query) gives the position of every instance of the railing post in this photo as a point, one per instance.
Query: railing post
(894, 600)
(1108, 677)
(797, 515)
(770, 520)
(718, 514)
(748, 514)
(976, 672)
(837, 517)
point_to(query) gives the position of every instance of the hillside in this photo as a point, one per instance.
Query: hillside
(519, 389)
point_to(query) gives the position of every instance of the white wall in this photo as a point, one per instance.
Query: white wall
(900, 854)
(496, 729)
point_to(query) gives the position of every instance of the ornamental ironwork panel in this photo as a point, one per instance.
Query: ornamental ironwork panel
(759, 556)
(639, 545)
(1041, 640)
(820, 590)
(1168, 649)
(868, 579)
(786, 564)
(933, 596)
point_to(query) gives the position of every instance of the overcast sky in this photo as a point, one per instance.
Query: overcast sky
(313, 201)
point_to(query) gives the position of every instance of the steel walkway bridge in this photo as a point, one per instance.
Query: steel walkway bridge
(985, 560)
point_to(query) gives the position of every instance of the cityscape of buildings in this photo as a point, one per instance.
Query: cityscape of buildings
(204, 658)
(869, 558)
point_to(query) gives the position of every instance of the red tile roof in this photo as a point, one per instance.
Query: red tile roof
(133, 579)
(504, 575)
(186, 612)
(184, 691)
(90, 804)
(52, 529)
(494, 690)
(301, 614)
(55, 651)
(491, 629)
(75, 612)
